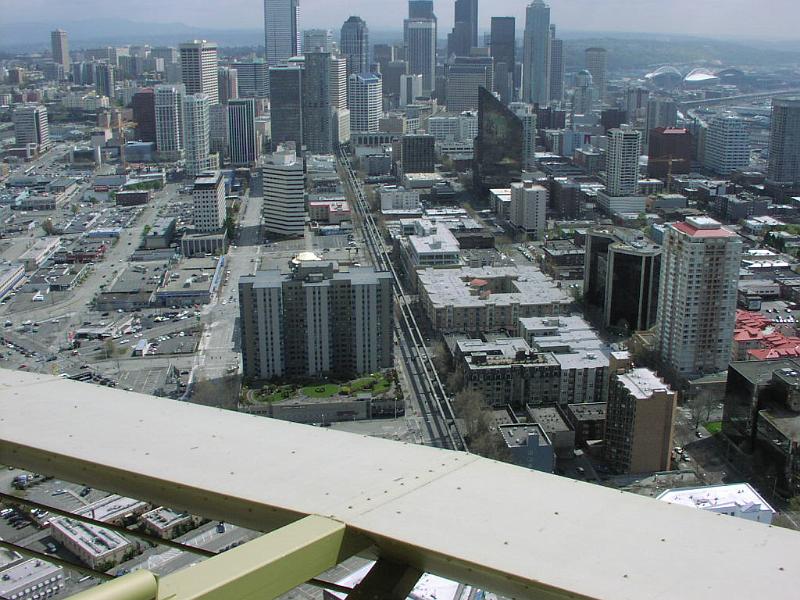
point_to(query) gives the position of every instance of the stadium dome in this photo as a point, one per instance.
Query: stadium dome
(700, 77)
(665, 77)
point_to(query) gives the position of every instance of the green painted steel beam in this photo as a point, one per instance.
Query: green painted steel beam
(139, 585)
(263, 568)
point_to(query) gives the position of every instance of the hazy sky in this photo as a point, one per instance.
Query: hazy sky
(764, 19)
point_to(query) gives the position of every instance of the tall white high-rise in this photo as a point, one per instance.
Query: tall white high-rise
(536, 54)
(622, 162)
(526, 114)
(208, 198)
(242, 138)
(31, 126)
(281, 31)
(365, 99)
(199, 69)
(338, 82)
(528, 212)
(420, 35)
(169, 120)
(697, 297)
(196, 138)
(283, 180)
(60, 48)
(727, 144)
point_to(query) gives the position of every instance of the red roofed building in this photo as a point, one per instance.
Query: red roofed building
(757, 338)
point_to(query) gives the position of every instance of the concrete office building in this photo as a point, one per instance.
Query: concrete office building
(536, 54)
(784, 142)
(31, 126)
(528, 118)
(528, 212)
(622, 162)
(252, 78)
(503, 50)
(410, 89)
(354, 46)
(196, 135)
(365, 101)
(199, 69)
(244, 144)
(60, 49)
(208, 198)
(639, 418)
(281, 30)
(316, 321)
(727, 144)
(621, 278)
(317, 110)
(420, 35)
(286, 103)
(464, 77)
(697, 297)
(597, 65)
(283, 181)
(169, 121)
(557, 67)
(318, 40)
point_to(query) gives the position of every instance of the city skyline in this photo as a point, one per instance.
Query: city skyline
(733, 18)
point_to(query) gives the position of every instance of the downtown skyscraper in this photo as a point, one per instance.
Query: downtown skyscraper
(281, 30)
(60, 49)
(536, 54)
(354, 46)
(784, 142)
(200, 69)
(243, 141)
(465, 28)
(503, 50)
(420, 36)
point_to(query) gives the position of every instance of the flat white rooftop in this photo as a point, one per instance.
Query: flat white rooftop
(641, 383)
(739, 496)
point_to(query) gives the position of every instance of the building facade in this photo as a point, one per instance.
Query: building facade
(784, 142)
(31, 126)
(639, 422)
(196, 134)
(697, 297)
(528, 211)
(316, 321)
(727, 144)
(208, 198)
(243, 143)
(622, 162)
(365, 100)
(536, 54)
(283, 181)
(354, 46)
(169, 120)
(199, 69)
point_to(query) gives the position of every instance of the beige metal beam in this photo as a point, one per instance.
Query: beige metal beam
(139, 585)
(264, 568)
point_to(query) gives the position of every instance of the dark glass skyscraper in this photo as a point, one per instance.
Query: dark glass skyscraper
(286, 91)
(499, 148)
(503, 49)
(784, 142)
(465, 28)
(317, 103)
(354, 45)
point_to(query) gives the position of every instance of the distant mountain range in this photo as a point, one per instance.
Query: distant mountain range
(627, 50)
